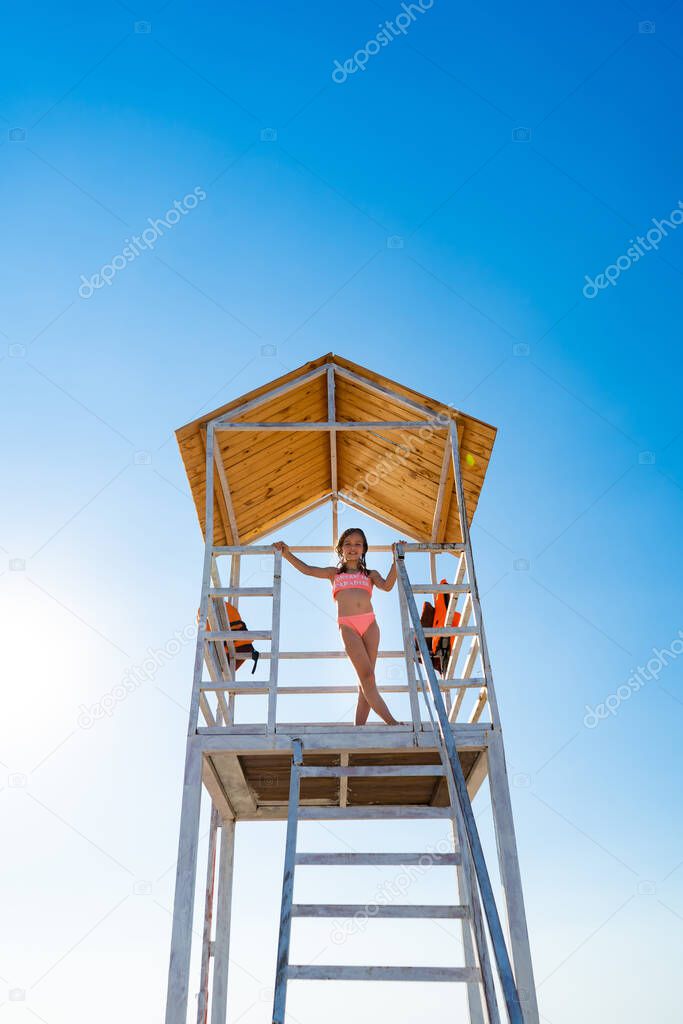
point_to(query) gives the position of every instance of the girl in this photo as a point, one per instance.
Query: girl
(352, 585)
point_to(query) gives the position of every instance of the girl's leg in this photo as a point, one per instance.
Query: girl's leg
(360, 659)
(362, 709)
(371, 641)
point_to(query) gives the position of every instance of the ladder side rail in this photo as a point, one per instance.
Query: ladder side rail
(457, 643)
(458, 640)
(280, 997)
(214, 674)
(216, 663)
(465, 896)
(218, 620)
(471, 574)
(465, 807)
(275, 643)
(432, 558)
(219, 665)
(468, 871)
(465, 617)
(463, 879)
(467, 670)
(235, 569)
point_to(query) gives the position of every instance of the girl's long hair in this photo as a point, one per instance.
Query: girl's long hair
(362, 567)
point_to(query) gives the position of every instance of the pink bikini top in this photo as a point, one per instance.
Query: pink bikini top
(351, 581)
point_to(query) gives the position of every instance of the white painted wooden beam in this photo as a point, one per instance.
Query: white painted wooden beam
(297, 426)
(225, 490)
(183, 903)
(332, 415)
(254, 403)
(385, 392)
(511, 877)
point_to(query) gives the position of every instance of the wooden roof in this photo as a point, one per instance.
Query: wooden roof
(270, 477)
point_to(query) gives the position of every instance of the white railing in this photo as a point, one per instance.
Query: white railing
(463, 676)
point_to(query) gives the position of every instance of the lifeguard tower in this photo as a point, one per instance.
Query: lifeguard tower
(334, 432)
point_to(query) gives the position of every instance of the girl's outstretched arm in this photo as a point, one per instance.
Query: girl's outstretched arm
(388, 583)
(320, 572)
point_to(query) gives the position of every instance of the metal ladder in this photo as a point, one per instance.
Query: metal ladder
(316, 972)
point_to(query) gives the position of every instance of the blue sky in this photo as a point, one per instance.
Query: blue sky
(433, 217)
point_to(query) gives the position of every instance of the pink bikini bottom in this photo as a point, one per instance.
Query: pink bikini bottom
(361, 623)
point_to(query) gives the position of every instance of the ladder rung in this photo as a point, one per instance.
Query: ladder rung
(431, 546)
(240, 592)
(256, 687)
(450, 631)
(370, 771)
(325, 972)
(376, 811)
(239, 635)
(440, 588)
(405, 910)
(367, 859)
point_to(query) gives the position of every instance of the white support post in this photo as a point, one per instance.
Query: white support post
(235, 569)
(471, 575)
(225, 490)
(344, 781)
(206, 583)
(183, 903)
(441, 493)
(449, 610)
(219, 993)
(186, 871)
(511, 877)
(275, 642)
(331, 415)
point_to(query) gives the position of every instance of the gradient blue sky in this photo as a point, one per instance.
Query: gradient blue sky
(479, 304)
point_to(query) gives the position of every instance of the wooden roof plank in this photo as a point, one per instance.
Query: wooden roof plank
(406, 493)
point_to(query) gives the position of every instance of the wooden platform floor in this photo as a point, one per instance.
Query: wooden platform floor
(255, 784)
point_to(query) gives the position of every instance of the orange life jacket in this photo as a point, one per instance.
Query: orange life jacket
(241, 646)
(433, 617)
